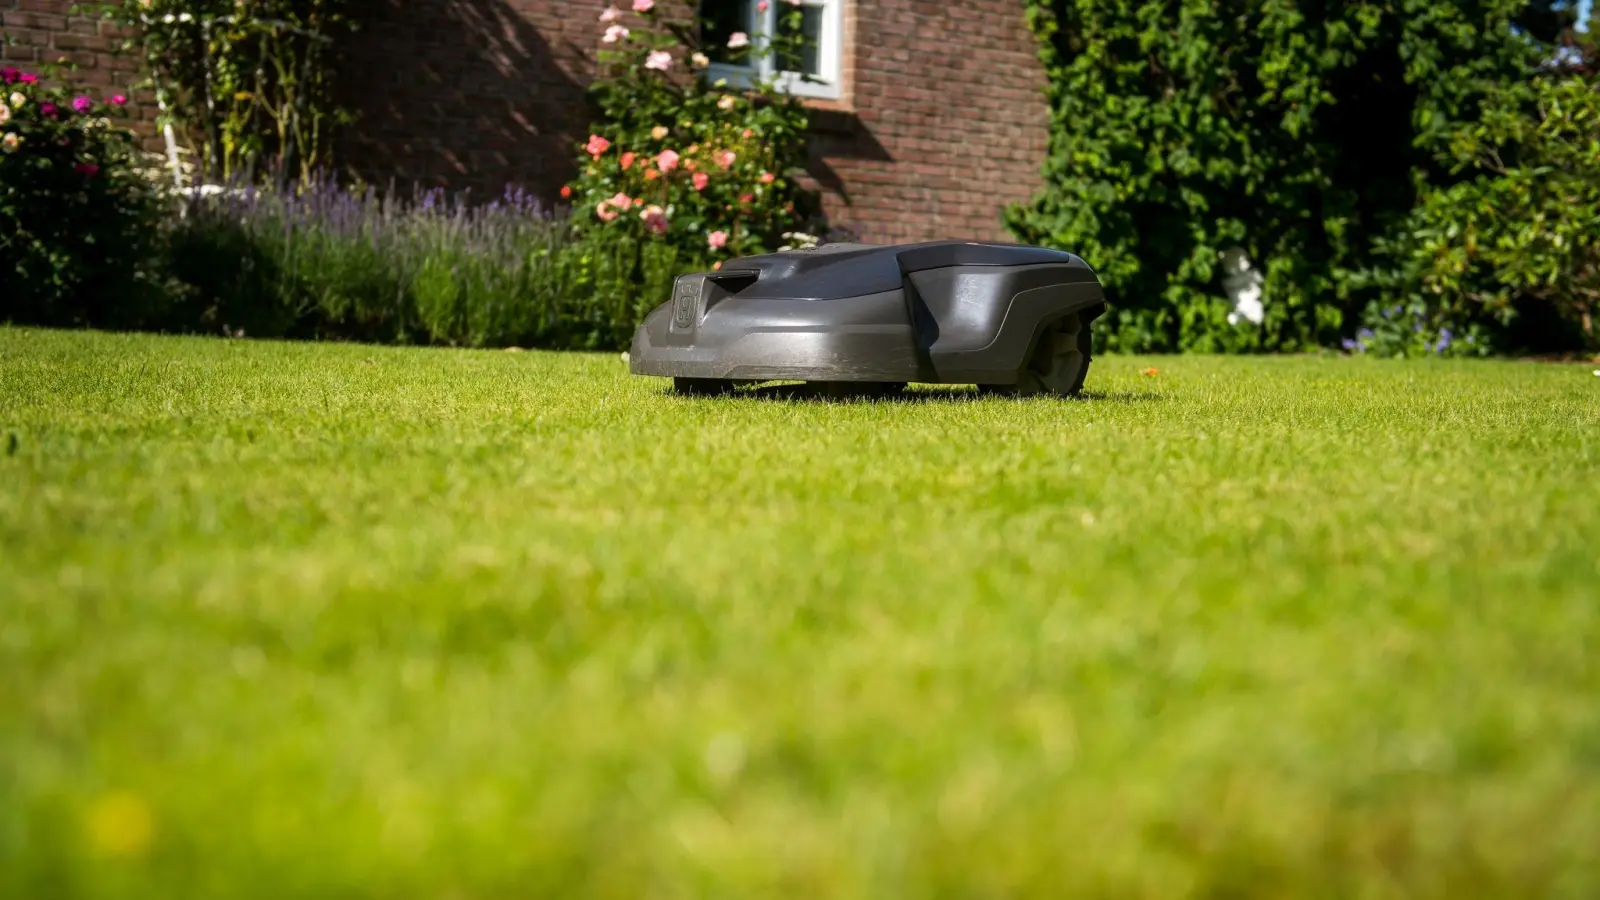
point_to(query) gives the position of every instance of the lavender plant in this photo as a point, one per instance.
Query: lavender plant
(324, 261)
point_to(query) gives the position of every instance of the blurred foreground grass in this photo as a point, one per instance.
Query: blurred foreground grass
(298, 620)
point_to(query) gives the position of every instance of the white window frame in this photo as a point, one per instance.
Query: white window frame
(761, 25)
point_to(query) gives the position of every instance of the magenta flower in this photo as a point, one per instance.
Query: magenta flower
(10, 74)
(119, 100)
(82, 104)
(48, 110)
(87, 169)
(27, 78)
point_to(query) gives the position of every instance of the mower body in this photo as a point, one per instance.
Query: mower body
(944, 312)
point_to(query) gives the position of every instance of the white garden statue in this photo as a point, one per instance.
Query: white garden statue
(1242, 281)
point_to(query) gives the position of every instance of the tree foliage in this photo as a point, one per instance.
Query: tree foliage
(1297, 132)
(1515, 244)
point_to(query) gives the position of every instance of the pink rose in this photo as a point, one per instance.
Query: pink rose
(27, 78)
(610, 15)
(597, 145)
(725, 158)
(660, 60)
(716, 240)
(643, 6)
(627, 160)
(621, 200)
(767, 177)
(738, 39)
(604, 211)
(746, 134)
(655, 219)
(667, 160)
(746, 198)
(700, 180)
(615, 33)
(762, 6)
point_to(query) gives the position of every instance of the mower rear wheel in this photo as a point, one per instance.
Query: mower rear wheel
(1058, 364)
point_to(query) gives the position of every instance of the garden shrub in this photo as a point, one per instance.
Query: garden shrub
(79, 236)
(1299, 134)
(683, 170)
(1512, 250)
(327, 261)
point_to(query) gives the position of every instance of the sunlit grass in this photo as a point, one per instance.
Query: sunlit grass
(297, 620)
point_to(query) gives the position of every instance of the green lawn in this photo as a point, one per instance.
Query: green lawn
(289, 620)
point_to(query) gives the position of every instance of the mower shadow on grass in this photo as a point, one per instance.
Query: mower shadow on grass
(812, 392)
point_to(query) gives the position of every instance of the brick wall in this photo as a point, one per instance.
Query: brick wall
(942, 122)
(949, 124)
(41, 31)
(470, 93)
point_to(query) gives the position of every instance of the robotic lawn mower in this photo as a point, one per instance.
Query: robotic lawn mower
(864, 318)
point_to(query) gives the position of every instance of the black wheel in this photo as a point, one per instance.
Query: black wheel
(703, 387)
(1058, 364)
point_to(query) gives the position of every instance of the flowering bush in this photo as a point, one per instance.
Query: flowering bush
(78, 219)
(685, 165)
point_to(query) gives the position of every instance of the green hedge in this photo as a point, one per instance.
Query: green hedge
(1302, 134)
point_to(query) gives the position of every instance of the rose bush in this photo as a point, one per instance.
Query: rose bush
(79, 220)
(683, 167)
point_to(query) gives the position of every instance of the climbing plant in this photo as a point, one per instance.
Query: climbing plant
(246, 86)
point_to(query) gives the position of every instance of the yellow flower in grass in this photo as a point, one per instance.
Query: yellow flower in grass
(121, 824)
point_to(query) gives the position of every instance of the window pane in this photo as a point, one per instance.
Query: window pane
(719, 19)
(811, 31)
